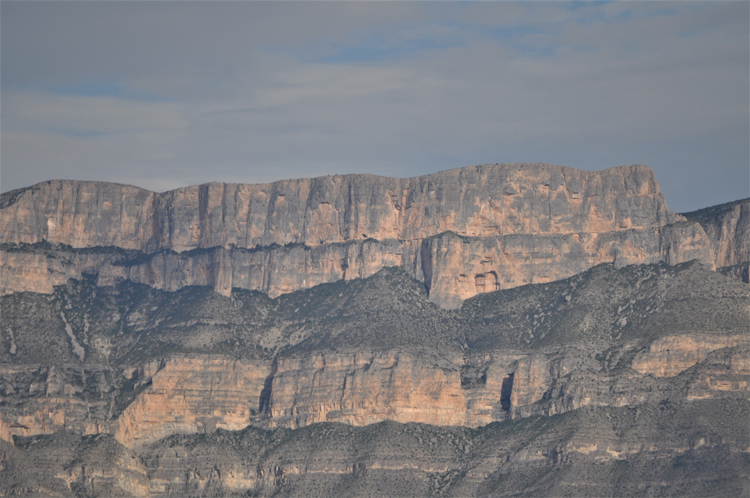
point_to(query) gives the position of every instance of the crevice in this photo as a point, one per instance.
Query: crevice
(426, 258)
(505, 391)
(264, 400)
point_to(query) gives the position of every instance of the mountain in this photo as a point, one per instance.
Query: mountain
(461, 232)
(120, 376)
(728, 230)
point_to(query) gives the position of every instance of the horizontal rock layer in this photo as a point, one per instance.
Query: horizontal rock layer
(192, 395)
(128, 389)
(476, 201)
(142, 364)
(117, 387)
(199, 395)
(690, 450)
(453, 267)
(461, 232)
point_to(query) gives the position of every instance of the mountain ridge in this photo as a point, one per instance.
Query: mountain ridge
(462, 232)
(526, 343)
(164, 371)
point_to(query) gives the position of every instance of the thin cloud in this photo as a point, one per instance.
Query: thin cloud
(253, 92)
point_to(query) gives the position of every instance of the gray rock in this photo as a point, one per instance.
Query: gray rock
(461, 232)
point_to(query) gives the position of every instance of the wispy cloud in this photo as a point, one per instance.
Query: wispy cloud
(153, 93)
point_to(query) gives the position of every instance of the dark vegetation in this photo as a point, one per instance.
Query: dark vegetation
(389, 310)
(531, 457)
(696, 445)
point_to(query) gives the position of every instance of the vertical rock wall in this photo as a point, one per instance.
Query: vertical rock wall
(727, 227)
(462, 232)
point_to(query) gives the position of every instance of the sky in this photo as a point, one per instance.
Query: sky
(168, 94)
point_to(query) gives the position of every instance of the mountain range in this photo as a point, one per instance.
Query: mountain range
(497, 330)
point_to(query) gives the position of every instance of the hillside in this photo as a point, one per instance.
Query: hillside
(130, 367)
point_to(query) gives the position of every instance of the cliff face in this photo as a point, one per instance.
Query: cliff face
(191, 395)
(696, 451)
(669, 356)
(461, 232)
(335, 336)
(198, 396)
(476, 201)
(141, 364)
(727, 227)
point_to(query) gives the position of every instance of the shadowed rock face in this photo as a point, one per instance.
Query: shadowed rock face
(727, 227)
(462, 232)
(137, 357)
(129, 390)
(141, 364)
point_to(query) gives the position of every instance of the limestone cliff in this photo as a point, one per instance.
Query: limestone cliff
(141, 364)
(478, 332)
(475, 201)
(462, 232)
(192, 395)
(727, 227)
(691, 451)
(200, 395)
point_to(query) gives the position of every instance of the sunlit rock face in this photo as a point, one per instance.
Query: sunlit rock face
(462, 333)
(141, 364)
(200, 395)
(192, 395)
(462, 232)
(474, 202)
(727, 227)
(669, 356)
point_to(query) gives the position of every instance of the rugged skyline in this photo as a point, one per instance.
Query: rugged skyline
(169, 94)
(496, 330)
(461, 232)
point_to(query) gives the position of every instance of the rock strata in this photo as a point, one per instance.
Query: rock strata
(192, 395)
(462, 232)
(365, 351)
(474, 202)
(727, 227)
(505, 330)
(697, 451)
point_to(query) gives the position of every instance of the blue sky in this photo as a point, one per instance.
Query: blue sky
(167, 94)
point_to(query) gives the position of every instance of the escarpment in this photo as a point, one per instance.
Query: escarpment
(505, 330)
(462, 232)
(727, 227)
(135, 391)
(475, 201)
(157, 363)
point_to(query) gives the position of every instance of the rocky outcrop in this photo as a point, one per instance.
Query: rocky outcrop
(669, 356)
(695, 452)
(26, 272)
(191, 395)
(450, 460)
(122, 372)
(727, 227)
(45, 399)
(200, 395)
(461, 232)
(477, 201)
(363, 389)
(740, 272)
(129, 390)
(142, 364)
